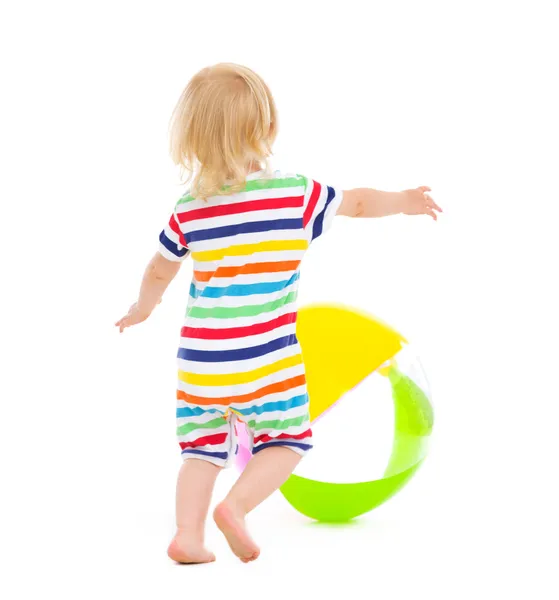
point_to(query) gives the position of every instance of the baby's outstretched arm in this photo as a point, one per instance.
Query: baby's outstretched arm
(158, 275)
(366, 202)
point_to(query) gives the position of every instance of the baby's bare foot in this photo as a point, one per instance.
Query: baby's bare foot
(233, 528)
(183, 550)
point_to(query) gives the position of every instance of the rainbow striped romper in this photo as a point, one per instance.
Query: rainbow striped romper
(239, 358)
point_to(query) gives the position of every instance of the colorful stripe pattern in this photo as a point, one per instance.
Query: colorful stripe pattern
(239, 358)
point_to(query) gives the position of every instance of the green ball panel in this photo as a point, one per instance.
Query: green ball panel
(341, 502)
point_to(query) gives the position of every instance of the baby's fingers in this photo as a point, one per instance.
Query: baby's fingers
(122, 324)
(430, 212)
(432, 204)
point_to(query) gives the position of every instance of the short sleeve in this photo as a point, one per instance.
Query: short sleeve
(321, 204)
(172, 244)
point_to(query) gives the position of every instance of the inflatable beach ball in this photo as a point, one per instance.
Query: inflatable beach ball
(370, 409)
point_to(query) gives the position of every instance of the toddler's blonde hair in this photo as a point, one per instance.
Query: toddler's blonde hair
(224, 122)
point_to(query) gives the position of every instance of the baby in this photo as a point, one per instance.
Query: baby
(247, 230)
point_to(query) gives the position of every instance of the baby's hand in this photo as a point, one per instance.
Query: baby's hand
(135, 315)
(418, 202)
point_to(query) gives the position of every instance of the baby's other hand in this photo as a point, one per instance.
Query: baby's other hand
(135, 315)
(418, 202)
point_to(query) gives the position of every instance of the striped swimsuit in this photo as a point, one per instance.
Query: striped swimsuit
(239, 358)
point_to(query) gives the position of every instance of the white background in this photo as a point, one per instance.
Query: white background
(461, 96)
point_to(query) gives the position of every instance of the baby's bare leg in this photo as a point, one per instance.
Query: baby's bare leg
(194, 492)
(264, 474)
